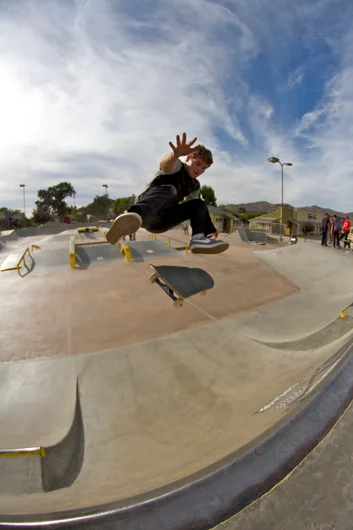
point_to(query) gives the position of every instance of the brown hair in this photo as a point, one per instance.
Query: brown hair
(203, 153)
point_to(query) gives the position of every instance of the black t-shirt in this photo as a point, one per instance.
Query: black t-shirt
(180, 179)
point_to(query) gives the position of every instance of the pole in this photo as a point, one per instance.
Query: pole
(106, 198)
(24, 200)
(24, 203)
(281, 227)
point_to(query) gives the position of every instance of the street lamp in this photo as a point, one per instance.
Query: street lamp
(24, 203)
(274, 160)
(106, 197)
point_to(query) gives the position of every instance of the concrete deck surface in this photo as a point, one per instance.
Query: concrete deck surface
(317, 495)
(164, 392)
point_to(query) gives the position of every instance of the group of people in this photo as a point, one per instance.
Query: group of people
(334, 230)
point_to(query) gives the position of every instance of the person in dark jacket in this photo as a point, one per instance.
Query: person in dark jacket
(161, 205)
(325, 227)
(336, 231)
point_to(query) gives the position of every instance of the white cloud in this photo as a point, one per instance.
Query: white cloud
(294, 80)
(90, 93)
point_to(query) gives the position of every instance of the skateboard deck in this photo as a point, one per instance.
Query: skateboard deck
(181, 282)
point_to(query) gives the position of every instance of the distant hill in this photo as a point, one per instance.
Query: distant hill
(251, 207)
(266, 207)
(319, 209)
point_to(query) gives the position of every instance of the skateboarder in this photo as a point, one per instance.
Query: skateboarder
(158, 208)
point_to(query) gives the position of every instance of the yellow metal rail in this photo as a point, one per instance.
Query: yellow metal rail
(125, 249)
(30, 451)
(18, 265)
(72, 252)
(183, 246)
(90, 228)
(89, 243)
(346, 310)
(102, 233)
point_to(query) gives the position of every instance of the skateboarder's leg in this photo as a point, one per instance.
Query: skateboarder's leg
(155, 207)
(197, 211)
(148, 211)
(158, 210)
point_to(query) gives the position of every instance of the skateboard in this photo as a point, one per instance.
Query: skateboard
(181, 282)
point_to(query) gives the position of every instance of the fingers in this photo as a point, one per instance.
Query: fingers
(183, 141)
(192, 149)
(184, 146)
(192, 141)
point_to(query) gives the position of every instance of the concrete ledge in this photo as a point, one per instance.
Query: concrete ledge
(207, 498)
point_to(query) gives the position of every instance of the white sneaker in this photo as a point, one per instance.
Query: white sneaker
(200, 244)
(125, 224)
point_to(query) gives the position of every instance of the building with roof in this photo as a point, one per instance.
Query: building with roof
(224, 221)
(294, 220)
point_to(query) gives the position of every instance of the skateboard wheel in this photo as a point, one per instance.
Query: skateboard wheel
(153, 277)
(178, 302)
(341, 315)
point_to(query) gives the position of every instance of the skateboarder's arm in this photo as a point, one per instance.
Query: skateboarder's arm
(169, 163)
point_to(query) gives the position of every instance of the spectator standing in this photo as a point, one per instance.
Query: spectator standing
(331, 231)
(336, 226)
(345, 228)
(325, 227)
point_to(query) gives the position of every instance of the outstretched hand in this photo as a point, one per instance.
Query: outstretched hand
(183, 148)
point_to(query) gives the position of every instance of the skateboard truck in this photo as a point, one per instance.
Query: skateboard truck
(178, 302)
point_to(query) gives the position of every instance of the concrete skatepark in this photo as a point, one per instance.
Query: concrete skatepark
(120, 411)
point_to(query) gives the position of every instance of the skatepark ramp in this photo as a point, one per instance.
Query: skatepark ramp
(91, 251)
(142, 250)
(44, 468)
(187, 423)
(8, 235)
(256, 237)
(205, 497)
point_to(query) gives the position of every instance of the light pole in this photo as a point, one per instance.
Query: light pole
(24, 203)
(106, 198)
(274, 160)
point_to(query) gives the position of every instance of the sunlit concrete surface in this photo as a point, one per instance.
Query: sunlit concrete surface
(164, 392)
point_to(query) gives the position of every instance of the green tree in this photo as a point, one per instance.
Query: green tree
(208, 195)
(100, 206)
(42, 214)
(53, 199)
(122, 204)
(13, 212)
(81, 214)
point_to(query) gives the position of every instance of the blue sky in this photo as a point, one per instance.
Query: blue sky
(92, 91)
